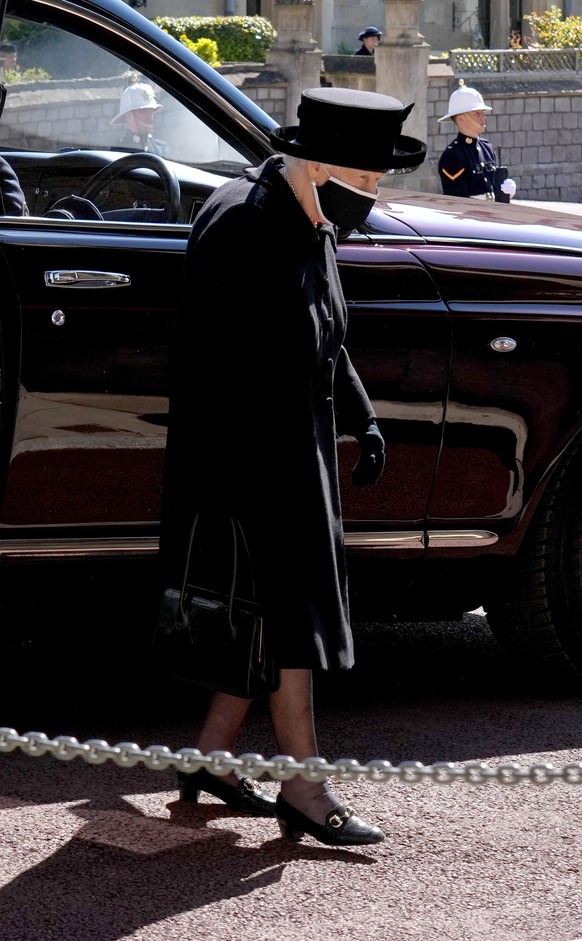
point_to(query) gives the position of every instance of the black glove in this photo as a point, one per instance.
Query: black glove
(371, 461)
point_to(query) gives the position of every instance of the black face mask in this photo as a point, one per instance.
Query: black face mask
(342, 204)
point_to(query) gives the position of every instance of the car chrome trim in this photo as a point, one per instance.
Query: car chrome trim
(415, 539)
(384, 540)
(452, 538)
(79, 548)
(367, 238)
(85, 279)
(460, 242)
(537, 308)
(119, 547)
(171, 236)
(420, 307)
(503, 243)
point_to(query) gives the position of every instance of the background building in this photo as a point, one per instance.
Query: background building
(445, 24)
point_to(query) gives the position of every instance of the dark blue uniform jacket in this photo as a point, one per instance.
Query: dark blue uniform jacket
(467, 167)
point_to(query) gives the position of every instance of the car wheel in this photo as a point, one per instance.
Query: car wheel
(536, 612)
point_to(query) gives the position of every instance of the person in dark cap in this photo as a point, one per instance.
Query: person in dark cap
(369, 38)
(260, 388)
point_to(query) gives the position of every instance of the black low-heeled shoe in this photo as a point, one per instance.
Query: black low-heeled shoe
(246, 797)
(342, 826)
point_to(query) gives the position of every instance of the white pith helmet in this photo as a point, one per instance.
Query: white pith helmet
(134, 98)
(465, 99)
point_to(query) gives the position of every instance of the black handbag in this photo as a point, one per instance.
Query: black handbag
(216, 640)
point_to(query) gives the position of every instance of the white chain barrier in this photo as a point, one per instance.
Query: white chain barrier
(281, 767)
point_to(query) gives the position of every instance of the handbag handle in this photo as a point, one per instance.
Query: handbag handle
(237, 533)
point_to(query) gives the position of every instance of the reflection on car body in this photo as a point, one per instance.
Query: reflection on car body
(481, 500)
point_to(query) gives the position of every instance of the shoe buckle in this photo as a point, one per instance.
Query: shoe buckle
(338, 820)
(250, 784)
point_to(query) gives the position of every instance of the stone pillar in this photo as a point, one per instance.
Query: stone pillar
(500, 24)
(294, 53)
(532, 6)
(402, 71)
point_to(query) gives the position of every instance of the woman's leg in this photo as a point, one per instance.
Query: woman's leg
(224, 718)
(223, 721)
(291, 708)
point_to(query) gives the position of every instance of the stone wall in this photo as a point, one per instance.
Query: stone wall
(536, 126)
(536, 123)
(262, 84)
(54, 114)
(68, 113)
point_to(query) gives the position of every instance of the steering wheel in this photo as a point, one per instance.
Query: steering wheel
(141, 160)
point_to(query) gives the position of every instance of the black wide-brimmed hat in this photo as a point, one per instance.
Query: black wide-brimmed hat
(349, 128)
(369, 31)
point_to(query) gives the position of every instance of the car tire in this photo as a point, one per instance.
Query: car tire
(535, 612)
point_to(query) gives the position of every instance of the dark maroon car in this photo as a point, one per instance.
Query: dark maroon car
(465, 326)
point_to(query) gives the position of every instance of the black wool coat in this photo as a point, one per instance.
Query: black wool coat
(12, 201)
(260, 386)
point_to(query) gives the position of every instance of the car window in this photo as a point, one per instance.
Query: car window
(68, 113)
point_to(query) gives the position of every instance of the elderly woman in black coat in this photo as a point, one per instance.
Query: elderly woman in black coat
(260, 387)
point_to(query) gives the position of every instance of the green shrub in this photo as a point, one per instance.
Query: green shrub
(238, 38)
(26, 75)
(24, 34)
(550, 30)
(207, 49)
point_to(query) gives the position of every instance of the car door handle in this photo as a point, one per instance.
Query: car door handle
(85, 279)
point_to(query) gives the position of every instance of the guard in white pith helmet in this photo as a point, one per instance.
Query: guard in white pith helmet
(468, 166)
(138, 107)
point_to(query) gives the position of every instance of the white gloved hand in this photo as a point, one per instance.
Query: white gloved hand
(509, 188)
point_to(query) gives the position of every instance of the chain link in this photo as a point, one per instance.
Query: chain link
(281, 767)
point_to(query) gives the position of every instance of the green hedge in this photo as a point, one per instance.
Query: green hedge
(24, 34)
(239, 38)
